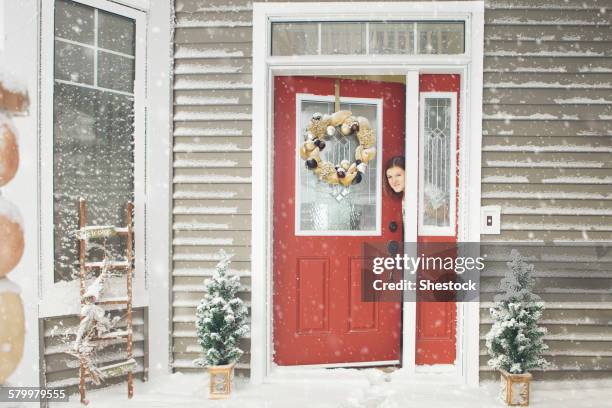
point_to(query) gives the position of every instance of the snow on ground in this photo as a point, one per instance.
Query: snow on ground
(341, 389)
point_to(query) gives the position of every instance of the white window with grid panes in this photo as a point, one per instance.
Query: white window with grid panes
(92, 144)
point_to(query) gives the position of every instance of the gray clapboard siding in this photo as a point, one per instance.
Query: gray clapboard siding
(530, 97)
(542, 16)
(545, 34)
(221, 50)
(195, 191)
(544, 80)
(215, 17)
(534, 64)
(213, 98)
(546, 4)
(62, 370)
(568, 111)
(547, 139)
(544, 160)
(546, 176)
(189, 131)
(570, 129)
(192, 6)
(212, 158)
(544, 49)
(217, 238)
(576, 284)
(527, 143)
(194, 35)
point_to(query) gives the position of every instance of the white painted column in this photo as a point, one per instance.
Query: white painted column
(473, 157)
(260, 322)
(159, 185)
(19, 59)
(410, 208)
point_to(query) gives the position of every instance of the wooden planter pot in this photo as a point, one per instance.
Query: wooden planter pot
(515, 388)
(220, 381)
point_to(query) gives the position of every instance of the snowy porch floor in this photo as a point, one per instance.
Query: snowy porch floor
(343, 389)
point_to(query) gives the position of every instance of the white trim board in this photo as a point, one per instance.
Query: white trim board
(469, 66)
(159, 109)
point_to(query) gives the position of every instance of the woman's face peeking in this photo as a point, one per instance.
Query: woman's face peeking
(395, 178)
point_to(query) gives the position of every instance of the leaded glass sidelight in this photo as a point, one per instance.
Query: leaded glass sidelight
(437, 195)
(324, 209)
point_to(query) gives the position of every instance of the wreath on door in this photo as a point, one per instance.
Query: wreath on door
(344, 124)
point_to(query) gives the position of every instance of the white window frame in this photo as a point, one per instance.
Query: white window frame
(69, 291)
(299, 98)
(468, 66)
(432, 230)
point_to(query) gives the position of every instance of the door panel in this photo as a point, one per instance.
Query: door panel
(318, 315)
(437, 321)
(313, 295)
(362, 315)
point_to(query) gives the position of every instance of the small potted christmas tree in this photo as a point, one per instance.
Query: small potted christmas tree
(515, 340)
(220, 323)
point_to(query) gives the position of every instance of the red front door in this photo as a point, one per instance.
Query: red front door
(318, 315)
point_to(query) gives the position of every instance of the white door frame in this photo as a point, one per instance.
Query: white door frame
(469, 66)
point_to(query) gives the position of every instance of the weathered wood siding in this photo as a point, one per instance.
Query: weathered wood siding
(547, 139)
(61, 369)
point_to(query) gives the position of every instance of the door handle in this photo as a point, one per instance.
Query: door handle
(393, 226)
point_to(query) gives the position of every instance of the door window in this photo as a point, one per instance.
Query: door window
(323, 209)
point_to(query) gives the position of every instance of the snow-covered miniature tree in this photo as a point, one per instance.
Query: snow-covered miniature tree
(221, 318)
(515, 342)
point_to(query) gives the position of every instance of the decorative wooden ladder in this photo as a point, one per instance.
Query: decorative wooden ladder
(93, 232)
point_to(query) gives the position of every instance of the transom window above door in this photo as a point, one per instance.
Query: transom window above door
(368, 38)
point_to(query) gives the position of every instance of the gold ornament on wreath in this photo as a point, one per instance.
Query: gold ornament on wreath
(322, 127)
